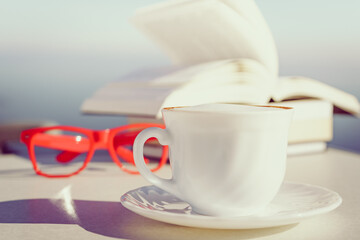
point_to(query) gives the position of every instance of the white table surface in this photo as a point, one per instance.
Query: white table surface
(87, 206)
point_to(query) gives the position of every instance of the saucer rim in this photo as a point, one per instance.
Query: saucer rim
(233, 221)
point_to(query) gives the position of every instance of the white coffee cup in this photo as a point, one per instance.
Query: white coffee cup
(226, 159)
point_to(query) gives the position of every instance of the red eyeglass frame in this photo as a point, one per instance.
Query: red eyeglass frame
(97, 139)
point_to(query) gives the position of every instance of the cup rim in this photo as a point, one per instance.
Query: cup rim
(178, 109)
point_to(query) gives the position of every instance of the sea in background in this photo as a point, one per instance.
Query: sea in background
(54, 54)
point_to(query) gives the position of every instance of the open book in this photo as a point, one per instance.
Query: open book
(223, 52)
(196, 31)
(312, 121)
(227, 81)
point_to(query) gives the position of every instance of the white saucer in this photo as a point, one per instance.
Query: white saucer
(293, 203)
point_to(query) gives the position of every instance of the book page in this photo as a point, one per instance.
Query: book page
(295, 87)
(207, 30)
(250, 11)
(210, 74)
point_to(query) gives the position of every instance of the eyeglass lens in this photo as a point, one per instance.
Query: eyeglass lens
(59, 152)
(123, 146)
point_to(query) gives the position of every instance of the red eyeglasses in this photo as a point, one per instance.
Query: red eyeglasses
(63, 151)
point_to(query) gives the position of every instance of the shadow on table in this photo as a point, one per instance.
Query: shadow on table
(113, 220)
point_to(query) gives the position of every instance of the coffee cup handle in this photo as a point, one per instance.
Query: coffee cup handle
(162, 136)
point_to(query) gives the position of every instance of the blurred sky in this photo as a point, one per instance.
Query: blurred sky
(54, 54)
